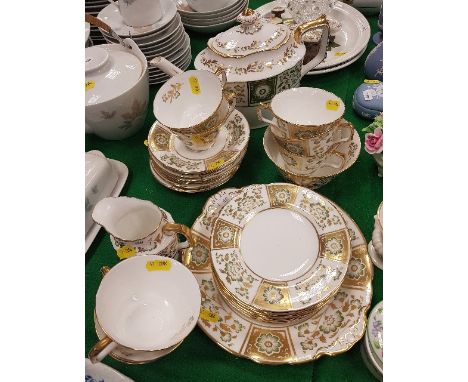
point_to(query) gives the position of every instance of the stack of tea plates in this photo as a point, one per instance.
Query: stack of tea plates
(222, 15)
(346, 45)
(93, 7)
(181, 169)
(165, 38)
(372, 343)
(243, 239)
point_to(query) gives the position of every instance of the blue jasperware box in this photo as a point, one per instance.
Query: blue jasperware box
(368, 100)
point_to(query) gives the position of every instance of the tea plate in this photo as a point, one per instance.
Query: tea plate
(122, 172)
(171, 154)
(280, 247)
(348, 42)
(112, 17)
(99, 372)
(331, 331)
(375, 333)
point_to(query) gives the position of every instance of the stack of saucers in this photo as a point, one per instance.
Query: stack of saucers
(372, 343)
(93, 7)
(166, 37)
(307, 138)
(254, 232)
(208, 16)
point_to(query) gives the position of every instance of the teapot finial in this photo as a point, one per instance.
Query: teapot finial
(250, 21)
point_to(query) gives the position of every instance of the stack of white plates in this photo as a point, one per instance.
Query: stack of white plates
(166, 37)
(181, 169)
(345, 46)
(222, 16)
(88, 41)
(372, 343)
(93, 7)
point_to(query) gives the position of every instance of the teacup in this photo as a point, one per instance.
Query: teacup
(205, 139)
(302, 113)
(311, 164)
(319, 145)
(135, 223)
(145, 303)
(139, 13)
(190, 102)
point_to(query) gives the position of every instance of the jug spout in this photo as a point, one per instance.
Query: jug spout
(127, 218)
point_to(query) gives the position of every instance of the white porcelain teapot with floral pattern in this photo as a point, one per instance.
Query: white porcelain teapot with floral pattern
(261, 59)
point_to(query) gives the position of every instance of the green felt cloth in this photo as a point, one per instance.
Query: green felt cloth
(358, 191)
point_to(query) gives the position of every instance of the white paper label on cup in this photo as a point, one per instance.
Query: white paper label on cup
(369, 94)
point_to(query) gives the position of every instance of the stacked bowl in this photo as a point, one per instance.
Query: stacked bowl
(307, 138)
(372, 343)
(207, 16)
(93, 7)
(164, 37)
(199, 139)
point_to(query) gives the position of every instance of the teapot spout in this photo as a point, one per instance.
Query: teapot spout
(166, 66)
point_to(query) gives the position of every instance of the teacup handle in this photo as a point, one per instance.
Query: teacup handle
(187, 232)
(101, 349)
(335, 165)
(346, 131)
(220, 72)
(321, 23)
(261, 117)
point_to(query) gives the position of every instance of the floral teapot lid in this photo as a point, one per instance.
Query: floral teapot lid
(111, 70)
(253, 35)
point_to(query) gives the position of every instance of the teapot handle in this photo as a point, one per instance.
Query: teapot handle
(321, 23)
(166, 66)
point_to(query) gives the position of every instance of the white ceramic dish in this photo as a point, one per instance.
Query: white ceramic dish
(185, 10)
(112, 17)
(333, 330)
(210, 28)
(210, 5)
(351, 39)
(100, 372)
(375, 334)
(336, 67)
(217, 19)
(122, 172)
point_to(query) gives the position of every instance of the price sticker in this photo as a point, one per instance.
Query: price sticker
(371, 81)
(215, 164)
(158, 265)
(146, 143)
(339, 54)
(125, 252)
(194, 85)
(206, 315)
(332, 105)
(89, 84)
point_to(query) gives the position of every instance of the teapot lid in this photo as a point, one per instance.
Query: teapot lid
(253, 35)
(109, 72)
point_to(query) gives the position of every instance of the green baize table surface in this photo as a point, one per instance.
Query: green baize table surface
(358, 191)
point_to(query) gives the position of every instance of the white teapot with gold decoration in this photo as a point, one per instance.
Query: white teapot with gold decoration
(261, 59)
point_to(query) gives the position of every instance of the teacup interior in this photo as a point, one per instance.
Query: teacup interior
(148, 310)
(188, 99)
(307, 106)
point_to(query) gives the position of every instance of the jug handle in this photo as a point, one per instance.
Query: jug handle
(101, 349)
(187, 232)
(322, 23)
(166, 66)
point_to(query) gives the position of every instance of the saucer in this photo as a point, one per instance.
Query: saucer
(333, 330)
(170, 153)
(112, 17)
(130, 356)
(255, 230)
(348, 42)
(98, 372)
(348, 150)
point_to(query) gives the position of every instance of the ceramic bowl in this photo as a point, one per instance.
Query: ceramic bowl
(146, 303)
(350, 150)
(210, 5)
(123, 112)
(187, 11)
